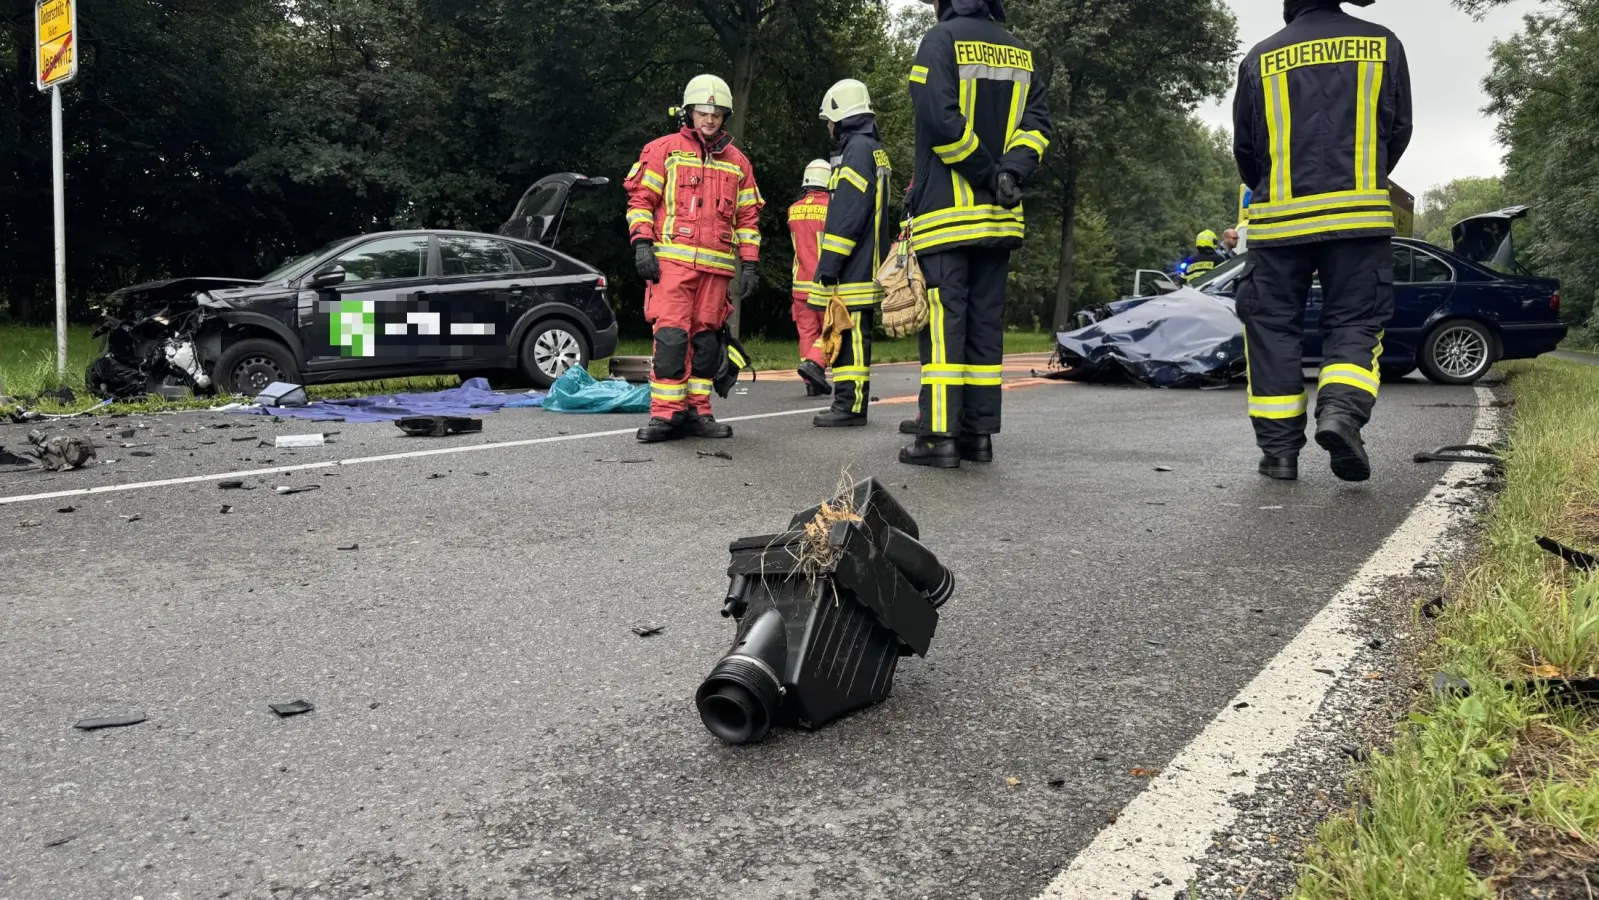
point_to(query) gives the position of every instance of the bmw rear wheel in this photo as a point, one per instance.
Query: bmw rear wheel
(1459, 351)
(551, 348)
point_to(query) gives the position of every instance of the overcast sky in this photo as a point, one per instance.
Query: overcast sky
(1448, 52)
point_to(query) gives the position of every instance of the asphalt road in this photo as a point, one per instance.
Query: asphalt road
(487, 725)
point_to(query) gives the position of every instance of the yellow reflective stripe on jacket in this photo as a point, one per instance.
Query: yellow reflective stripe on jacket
(1368, 97)
(639, 216)
(1287, 406)
(747, 236)
(919, 74)
(925, 240)
(748, 197)
(653, 180)
(1032, 140)
(967, 144)
(1350, 376)
(1344, 221)
(1317, 202)
(1279, 128)
(840, 245)
(697, 256)
(845, 173)
(984, 376)
(854, 294)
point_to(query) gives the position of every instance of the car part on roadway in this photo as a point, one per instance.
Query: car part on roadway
(282, 393)
(632, 369)
(1457, 351)
(64, 451)
(549, 349)
(250, 366)
(438, 426)
(850, 567)
(1463, 453)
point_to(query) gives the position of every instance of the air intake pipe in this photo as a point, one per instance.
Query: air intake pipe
(823, 616)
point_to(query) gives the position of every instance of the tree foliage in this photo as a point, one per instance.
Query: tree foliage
(221, 136)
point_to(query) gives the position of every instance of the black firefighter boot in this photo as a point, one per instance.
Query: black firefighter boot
(936, 452)
(1340, 437)
(706, 426)
(977, 448)
(658, 429)
(1281, 468)
(815, 378)
(910, 426)
(838, 418)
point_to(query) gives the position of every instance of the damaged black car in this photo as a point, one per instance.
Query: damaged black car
(394, 304)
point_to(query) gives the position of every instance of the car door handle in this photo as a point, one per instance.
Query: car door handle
(516, 289)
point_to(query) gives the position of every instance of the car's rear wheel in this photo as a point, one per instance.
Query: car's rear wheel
(1459, 351)
(550, 348)
(1395, 373)
(247, 367)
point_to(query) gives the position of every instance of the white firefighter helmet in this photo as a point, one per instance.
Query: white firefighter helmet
(708, 91)
(817, 173)
(844, 99)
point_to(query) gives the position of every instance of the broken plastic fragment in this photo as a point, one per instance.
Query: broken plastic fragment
(717, 454)
(301, 440)
(284, 710)
(285, 489)
(350, 547)
(1575, 558)
(645, 631)
(110, 722)
(67, 509)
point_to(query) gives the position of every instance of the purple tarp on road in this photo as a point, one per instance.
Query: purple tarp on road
(472, 398)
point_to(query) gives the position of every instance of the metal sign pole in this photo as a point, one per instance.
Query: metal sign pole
(58, 170)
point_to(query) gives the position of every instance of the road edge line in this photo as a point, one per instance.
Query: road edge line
(1158, 840)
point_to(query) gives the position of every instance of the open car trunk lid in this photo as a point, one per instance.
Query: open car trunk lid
(1486, 239)
(539, 214)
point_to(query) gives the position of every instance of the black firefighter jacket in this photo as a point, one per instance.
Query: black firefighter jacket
(1321, 117)
(857, 232)
(980, 110)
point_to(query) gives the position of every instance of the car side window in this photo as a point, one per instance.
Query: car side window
(398, 257)
(1402, 257)
(474, 256)
(531, 262)
(1431, 270)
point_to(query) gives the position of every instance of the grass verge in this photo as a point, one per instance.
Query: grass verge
(28, 367)
(1496, 794)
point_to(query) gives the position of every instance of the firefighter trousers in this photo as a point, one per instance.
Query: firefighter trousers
(963, 346)
(1357, 289)
(808, 320)
(686, 308)
(852, 368)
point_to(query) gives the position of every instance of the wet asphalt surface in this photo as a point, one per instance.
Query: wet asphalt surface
(487, 724)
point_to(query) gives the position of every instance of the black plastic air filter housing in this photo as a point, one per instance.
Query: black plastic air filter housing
(818, 638)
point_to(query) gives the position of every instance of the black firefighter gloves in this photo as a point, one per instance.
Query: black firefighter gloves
(749, 278)
(1007, 190)
(824, 611)
(649, 268)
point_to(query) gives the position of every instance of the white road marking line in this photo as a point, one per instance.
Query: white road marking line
(388, 457)
(1165, 829)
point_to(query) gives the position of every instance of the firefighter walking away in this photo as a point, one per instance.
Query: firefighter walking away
(807, 216)
(693, 215)
(1321, 118)
(853, 239)
(982, 126)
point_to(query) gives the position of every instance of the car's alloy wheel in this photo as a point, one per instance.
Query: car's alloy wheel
(555, 351)
(1460, 351)
(254, 373)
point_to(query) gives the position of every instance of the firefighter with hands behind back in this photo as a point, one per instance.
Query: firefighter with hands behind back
(807, 217)
(693, 217)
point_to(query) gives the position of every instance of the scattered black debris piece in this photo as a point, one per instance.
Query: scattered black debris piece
(227, 508)
(1375, 643)
(1101, 757)
(7, 458)
(1575, 558)
(109, 722)
(373, 705)
(133, 518)
(129, 432)
(234, 486)
(645, 631)
(141, 453)
(1358, 754)
(284, 710)
(65, 396)
(1057, 783)
(1434, 608)
(1445, 685)
(1163, 468)
(481, 474)
(1325, 671)
(715, 454)
(350, 547)
(627, 462)
(58, 841)
(238, 440)
(1463, 453)
(1156, 643)
(64, 451)
(1240, 705)
(285, 489)
(438, 475)
(67, 509)
(438, 426)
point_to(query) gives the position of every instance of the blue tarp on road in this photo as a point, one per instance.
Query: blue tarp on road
(1182, 340)
(577, 391)
(472, 398)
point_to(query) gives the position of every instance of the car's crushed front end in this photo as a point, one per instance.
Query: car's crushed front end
(152, 334)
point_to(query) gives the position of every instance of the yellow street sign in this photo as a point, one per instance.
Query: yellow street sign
(57, 22)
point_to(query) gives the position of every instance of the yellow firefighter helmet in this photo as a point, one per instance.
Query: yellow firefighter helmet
(844, 99)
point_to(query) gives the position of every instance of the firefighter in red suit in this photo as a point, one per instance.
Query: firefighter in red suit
(693, 215)
(807, 217)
